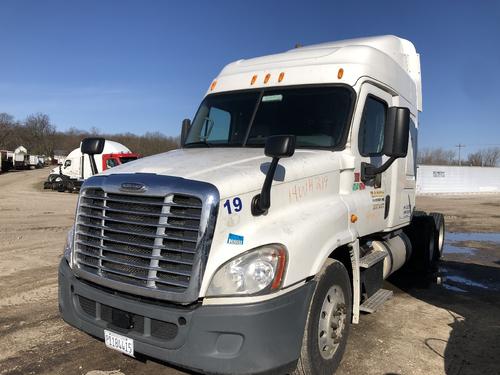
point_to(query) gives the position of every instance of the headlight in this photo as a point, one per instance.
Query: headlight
(257, 271)
(68, 248)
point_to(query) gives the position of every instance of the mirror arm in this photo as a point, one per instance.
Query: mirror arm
(261, 202)
(93, 165)
(368, 171)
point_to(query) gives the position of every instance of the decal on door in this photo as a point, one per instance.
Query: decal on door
(358, 185)
(378, 199)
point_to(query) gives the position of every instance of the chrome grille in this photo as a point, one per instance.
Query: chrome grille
(145, 241)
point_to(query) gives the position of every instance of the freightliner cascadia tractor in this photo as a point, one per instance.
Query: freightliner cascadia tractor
(255, 246)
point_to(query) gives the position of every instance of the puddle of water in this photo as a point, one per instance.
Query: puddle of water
(453, 288)
(452, 237)
(463, 236)
(456, 283)
(467, 282)
(451, 249)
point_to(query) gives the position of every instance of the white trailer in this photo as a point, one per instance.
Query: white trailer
(255, 246)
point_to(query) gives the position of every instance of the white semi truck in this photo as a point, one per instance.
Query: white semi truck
(254, 247)
(77, 167)
(20, 158)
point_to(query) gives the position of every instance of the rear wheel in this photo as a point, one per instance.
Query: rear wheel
(439, 234)
(328, 322)
(422, 235)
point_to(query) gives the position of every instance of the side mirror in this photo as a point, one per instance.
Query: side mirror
(396, 135)
(277, 147)
(92, 146)
(397, 131)
(186, 125)
(280, 146)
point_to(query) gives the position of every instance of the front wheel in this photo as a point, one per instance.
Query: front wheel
(328, 322)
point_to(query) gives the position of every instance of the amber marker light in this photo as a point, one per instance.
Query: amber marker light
(340, 73)
(266, 79)
(254, 78)
(280, 271)
(281, 76)
(354, 218)
(212, 86)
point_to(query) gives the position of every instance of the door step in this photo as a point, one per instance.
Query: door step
(374, 302)
(373, 257)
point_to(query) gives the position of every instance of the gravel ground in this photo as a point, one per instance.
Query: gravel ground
(452, 328)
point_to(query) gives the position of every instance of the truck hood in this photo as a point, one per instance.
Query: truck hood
(232, 170)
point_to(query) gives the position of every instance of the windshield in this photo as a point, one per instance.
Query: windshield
(126, 159)
(317, 116)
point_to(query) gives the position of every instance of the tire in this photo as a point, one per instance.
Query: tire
(422, 234)
(55, 178)
(439, 234)
(331, 306)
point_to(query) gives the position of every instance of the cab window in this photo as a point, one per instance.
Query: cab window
(110, 163)
(371, 129)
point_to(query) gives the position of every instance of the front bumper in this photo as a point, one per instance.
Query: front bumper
(263, 337)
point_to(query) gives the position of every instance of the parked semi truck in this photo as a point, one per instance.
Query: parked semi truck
(20, 158)
(77, 166)
(7, 162)
(256, 245)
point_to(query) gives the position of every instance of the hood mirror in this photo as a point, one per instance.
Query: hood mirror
(277, 147)
(91, 147)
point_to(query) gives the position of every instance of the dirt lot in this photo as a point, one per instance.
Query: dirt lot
(452, 328)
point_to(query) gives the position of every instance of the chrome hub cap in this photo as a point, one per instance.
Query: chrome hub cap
(332, 320)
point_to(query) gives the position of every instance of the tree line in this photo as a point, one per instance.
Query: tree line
(486, 157)
(41, 137)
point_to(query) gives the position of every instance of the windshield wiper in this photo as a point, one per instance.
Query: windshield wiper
(197, 144)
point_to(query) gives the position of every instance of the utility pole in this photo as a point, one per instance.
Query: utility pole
(460, 146)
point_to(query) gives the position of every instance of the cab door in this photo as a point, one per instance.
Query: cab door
(372, 196)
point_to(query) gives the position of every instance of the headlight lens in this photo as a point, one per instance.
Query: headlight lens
(68, 248)
(257, 271)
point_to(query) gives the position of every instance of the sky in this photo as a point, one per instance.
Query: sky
(139, 66)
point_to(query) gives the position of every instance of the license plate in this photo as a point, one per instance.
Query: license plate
(118, 342)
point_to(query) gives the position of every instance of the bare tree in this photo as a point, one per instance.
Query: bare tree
(6, 128)
(436, 156)
(488, 157)
(476, 159)
(40, 134)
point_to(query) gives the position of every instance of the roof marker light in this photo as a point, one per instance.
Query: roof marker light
(281, 76)
(212, 86)
(340, 73)
(266, 79)
(254, 78)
